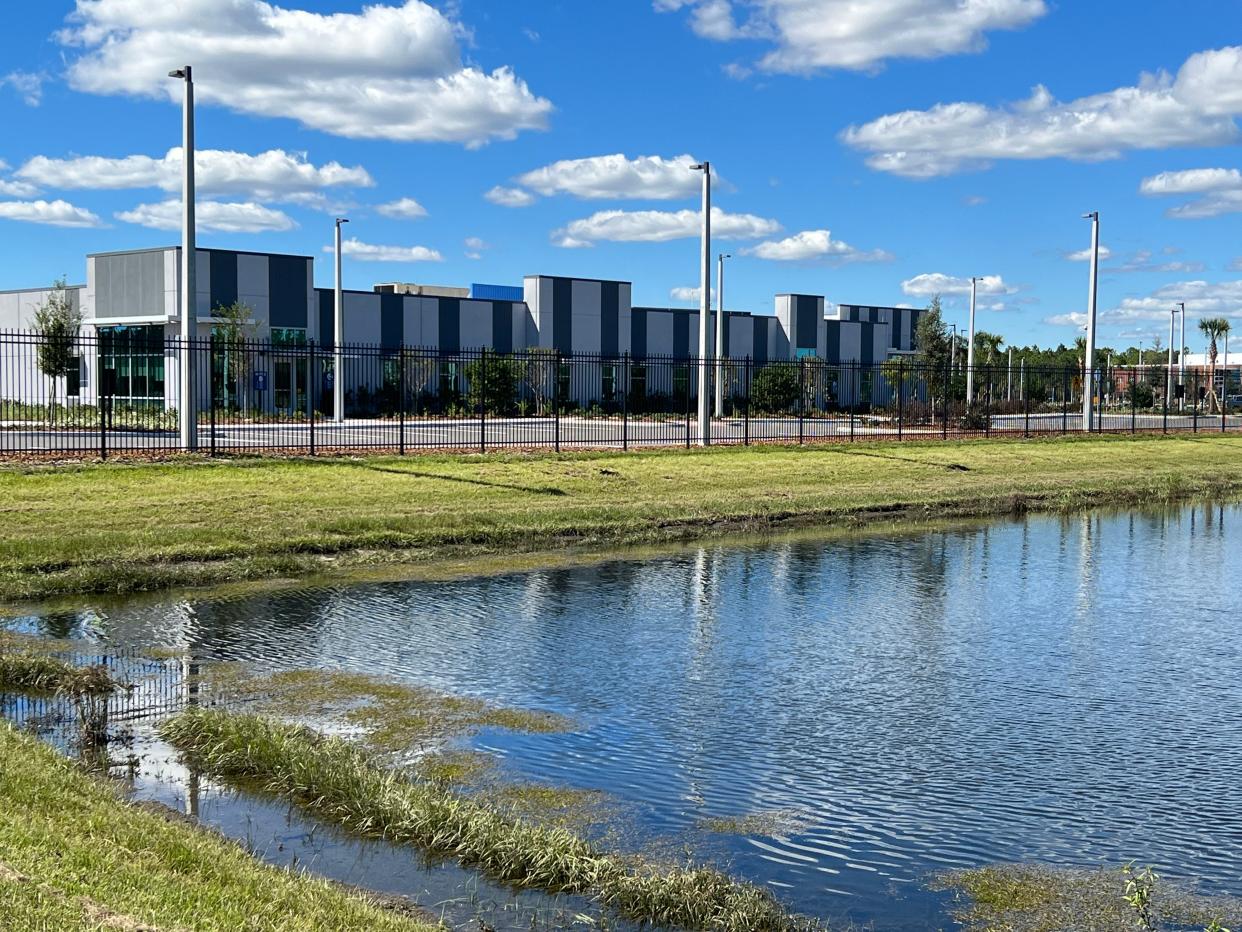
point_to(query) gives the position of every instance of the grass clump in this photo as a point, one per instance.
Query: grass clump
(390, 717)
(342, 784)
(1033, 898)
(75, 856)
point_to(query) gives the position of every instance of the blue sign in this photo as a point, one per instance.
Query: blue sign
(260, 381)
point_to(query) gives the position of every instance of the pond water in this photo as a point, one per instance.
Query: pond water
(1065, 690)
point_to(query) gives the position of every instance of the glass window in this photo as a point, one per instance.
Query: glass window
(132, 360)
(73, 377)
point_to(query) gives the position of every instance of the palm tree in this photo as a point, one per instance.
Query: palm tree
(1213, 328)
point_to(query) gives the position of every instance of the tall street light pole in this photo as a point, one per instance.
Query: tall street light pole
(720, 325)
(1181, 358)
(705, 302)
(970, 345)
(338, 336)
(188, 422)
(1088, 382)
(1168, 376)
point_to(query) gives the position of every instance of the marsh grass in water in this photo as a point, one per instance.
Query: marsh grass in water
(389, 717)
(769, 822)
(340, 783)
(1031, 898)
(27, 668)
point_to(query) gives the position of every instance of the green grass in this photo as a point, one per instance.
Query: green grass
(74, 856)
(1034, 898)
(339, 783)
(120, 528)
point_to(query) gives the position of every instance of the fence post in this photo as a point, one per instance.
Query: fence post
(901, 391)
(103, 416)
(746, 421)
(691, 379)
(1026, 405)
(1133, 402)
(987, 407)
(801, 398)
(855, 390)
(1194, 414)
(625, 401)
(1064, 401)
(1224, 393)
(401, 403)
(310, 399)
(556, 402)
(483, 401)
(944, 403)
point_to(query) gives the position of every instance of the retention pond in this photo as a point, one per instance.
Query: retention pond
(839, 719)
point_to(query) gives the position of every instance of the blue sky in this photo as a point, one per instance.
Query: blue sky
(873, 153)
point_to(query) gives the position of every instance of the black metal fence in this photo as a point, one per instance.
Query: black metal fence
(120, 393)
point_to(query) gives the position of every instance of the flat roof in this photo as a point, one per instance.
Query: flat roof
(39, 288)
(239, 252)
(579, 278)
(693, 310)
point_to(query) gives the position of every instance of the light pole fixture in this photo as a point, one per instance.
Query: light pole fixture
(1088, 382)
(188, 421)
(970, 345)
(720, 325)
(338, 335)
(705, 301)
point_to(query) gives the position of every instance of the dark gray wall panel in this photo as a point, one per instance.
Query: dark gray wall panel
(562, 314)
(807, 321)
(223, 288)
(286, 280)
(638, 332)
(761, 340)
(450, 324)
(610, 318)
(502, 326)
(681, 336)
(392, 320)
(833, 347)
(327, 316)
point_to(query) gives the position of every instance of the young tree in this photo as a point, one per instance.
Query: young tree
(57, 323)
(933, 349)
(1213, 328)
(232, 330)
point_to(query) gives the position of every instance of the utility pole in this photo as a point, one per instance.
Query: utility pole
(1009, 389)
(1088, 382)
(188, 421)
(720, 325)
(1168, 376)
(1181, 358)
(338, 337)
(705, 302)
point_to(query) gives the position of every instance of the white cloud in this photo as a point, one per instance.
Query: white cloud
(10, 188)
(387, 72)
(812, 245)
(27, 84)
(271, 175)
(1202, 299)
(1143, 261)
(687, 295)
(934, 283)
(1221, 190)
(810, 35)
(1084, 255)
(974, 200)
(510, 197)
(475, 246)
(1075, 319)
(657, 226)
(1160, 111)
(367, 252)
(221, 216)
(53, 213)
(1235, 265)
(404, 209)
(616, 177)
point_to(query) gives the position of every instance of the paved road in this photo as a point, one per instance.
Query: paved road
(471, 434)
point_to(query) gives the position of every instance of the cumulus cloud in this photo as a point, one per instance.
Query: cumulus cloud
(404, 209)
(387, 72)
(271, 175)
(52, 213)
(1220, 191)
(1202, 299)
(220, 216)
(11, 188)
(510, 197)
(934, 283)
(368, 252)
(475, 246)
(616, 177)
(815, 245)
(656, 226)
(810, 35)
(1194, 108)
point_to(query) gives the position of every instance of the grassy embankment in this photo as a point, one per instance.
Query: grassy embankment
(122, 528)
(74, 856)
